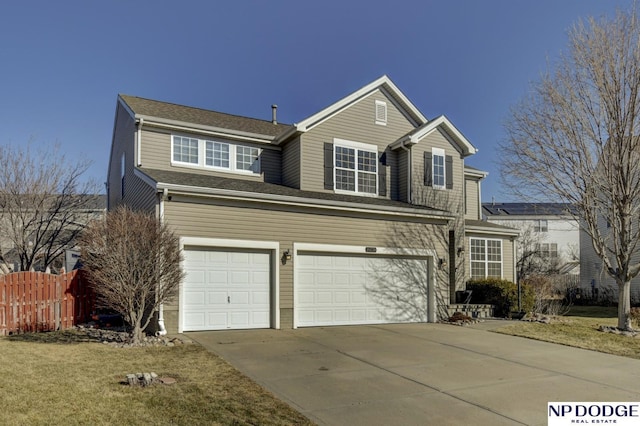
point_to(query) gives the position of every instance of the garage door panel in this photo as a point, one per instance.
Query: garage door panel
(359, 290)
(226, 289)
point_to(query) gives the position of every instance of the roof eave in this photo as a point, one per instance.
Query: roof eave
(200, 128)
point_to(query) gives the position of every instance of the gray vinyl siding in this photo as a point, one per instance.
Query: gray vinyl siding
(123, 141)
(139, 195)
(472, 208)
(246, 221)
(402, 175)
(447, 199)
(291, 164)
(355, 123)
(156, 154)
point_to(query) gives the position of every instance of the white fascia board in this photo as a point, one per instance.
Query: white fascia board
(303, 202)
(491, 231)
(310, 122)
(475, 173)
(202, 129)
(465, 146)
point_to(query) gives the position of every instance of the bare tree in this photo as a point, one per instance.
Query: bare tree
(133, 262)
(406, 290)
(575, 139)
(44, 204)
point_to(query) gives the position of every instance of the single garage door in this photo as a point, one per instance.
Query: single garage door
(226, 289)
(345, 289)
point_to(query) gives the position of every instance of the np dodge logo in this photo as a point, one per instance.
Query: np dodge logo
(573, 413)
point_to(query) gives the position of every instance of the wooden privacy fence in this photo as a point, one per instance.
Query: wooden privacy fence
(36, 301)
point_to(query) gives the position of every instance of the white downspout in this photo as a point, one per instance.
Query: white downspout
(409, 166)
(163, 330)
(139, 142)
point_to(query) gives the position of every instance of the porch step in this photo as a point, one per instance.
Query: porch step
(474, 310)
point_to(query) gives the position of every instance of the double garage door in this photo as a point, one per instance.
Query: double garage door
(231, 289)
(346, 289)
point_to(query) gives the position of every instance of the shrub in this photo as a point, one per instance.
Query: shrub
(635, 316)
(502, 294)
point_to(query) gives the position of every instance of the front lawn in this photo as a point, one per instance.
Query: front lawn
(49, 380)
(579, 328)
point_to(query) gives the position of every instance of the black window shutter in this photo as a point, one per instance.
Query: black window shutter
(328, 165)
(448, 169)
(428, 174)
(382, 174)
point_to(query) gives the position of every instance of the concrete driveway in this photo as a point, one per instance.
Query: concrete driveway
(421, 374)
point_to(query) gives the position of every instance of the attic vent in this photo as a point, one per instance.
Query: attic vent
(381, 113)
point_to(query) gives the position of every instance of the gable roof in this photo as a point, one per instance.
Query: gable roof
(181, 115)
(383, 83)
(442, 123)
(526, 209)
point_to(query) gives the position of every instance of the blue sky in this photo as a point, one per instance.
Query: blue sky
(64, 62)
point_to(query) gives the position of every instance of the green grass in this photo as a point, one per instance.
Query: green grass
(579, 328)
(64, 382)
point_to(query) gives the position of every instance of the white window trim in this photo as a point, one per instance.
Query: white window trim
(357, 146)
(440, 153)
(383, 105)
(486, 257)
(202, 152)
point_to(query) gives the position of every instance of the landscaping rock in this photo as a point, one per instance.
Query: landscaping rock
(616, 330)
(119, 337)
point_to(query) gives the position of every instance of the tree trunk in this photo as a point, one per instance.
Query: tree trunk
(624, 305)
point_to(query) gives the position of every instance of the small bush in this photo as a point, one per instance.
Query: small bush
(502, 294)
(635, 316)
(459, 316)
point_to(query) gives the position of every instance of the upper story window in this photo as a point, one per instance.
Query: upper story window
(185, 150)
(438, 169)
(548, 250)
(215, 155)
(356, 167)
(247, 158)
(540, 226)
(381, 113)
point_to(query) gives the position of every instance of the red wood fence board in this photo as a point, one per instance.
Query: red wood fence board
(36, 301)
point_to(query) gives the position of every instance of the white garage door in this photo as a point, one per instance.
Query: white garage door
(225, 290)
(343, 290)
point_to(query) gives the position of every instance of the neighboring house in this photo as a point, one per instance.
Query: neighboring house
(549, 234)
(364, 212)
(84, 208)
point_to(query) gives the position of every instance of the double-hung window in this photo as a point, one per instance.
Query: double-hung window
(541, 226)
(217, 154)
(486, 258)
(356, 167)
(209, 154)
(438, 168)
(185, 150)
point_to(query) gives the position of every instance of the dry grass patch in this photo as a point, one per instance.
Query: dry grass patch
(83, 383)
(580, 329)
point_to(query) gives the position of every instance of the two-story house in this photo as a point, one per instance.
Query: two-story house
(361, 213)
(549, 234)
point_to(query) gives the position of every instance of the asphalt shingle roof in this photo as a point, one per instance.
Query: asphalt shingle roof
(258, 187)
(169, 111)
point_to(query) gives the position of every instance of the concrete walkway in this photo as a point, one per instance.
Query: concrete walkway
(422, 374)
